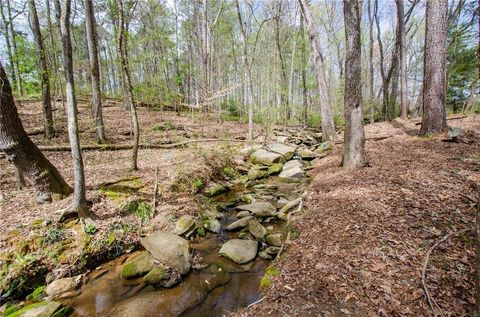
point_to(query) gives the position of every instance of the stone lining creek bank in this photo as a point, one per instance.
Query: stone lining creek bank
(212, 263)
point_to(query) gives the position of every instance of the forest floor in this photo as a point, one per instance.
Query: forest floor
(363, 238)
(365, 235)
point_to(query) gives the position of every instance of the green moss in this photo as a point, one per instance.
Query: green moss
(215, 190)
(63, 312)
(230, 172)
(201, 231)
(112, 237)
(39, 293)
(269, 273)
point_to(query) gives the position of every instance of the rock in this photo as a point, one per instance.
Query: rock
(241, 223)
(244, 213)
(292, 169)
(61, 286)
(292, 204)
(257, 230)
(307, 154)
(215, 190)
(285, 150)
(264, 255)
(139, 266)
(265, 157)
(265, 187)
(272, 250)
(246, 236)
(325, 146)
(184, 224)
(275, 169)
(211, 214)
(282, 202)
(256, 173)
(247, 198)
(239, 251)
(274, 240)
(169, 249)
(282, 138)
(159, 276)
(41, 309)
(213, 225)
(259, 208)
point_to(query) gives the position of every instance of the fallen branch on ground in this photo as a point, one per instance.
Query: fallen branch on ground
(430, 300)
(373, 138)
(119, 147)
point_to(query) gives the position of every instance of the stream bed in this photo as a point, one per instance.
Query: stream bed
(217, 287)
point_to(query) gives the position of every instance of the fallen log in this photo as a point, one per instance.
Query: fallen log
(119, 147)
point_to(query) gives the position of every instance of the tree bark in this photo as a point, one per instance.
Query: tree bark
(403, 59)
(23, 153)
(79, 198)
(94, 70)
(43, 70)
(304, 71)
(328, 126)
(127, 84)
(16, 65)
(353, 148)
(434, 87)
(477, 259)
(370, 65)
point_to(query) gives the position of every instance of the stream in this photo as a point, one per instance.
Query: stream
(216, 287)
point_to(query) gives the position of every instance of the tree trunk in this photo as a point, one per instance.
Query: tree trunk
(94, 70)
(18, 79)
(370, 65)
(353, 151)
(127, 84)
(477, 259)
(328, 127)
(79, 197)
(283, 68)
(43, 70)
(247, 76)
(7, 40)
(403, 59)
(22, 152)
(434, 88)
(304, 72)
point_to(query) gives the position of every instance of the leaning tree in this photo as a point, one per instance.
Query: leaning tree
(23, 153)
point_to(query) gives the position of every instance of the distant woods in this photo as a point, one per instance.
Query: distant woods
(231, 58)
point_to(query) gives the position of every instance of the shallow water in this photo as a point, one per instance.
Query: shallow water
(221, 287)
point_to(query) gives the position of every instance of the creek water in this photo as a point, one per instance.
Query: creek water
(216, 288)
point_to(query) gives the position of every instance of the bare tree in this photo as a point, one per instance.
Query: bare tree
(247, 75)
(403, 58)
(43, 69)
(16, 64)
(79, 198)
(328, 127)
(94, 70)
(434, 87)
(127, 84)
(370, 64)
(23, 153)
(353, 151)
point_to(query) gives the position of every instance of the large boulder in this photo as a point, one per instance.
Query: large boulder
(262, 156)
(239, 251)
(259, 208)
(169, 249)
(325, 146)
(275, 240)
(184, 224)
(285, 150)
(241, 223)
(292, 169)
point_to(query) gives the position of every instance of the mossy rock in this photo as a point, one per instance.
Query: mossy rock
(41, 309)
(158, 274)
(275, 169)
(139, 266)
(215, 190)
